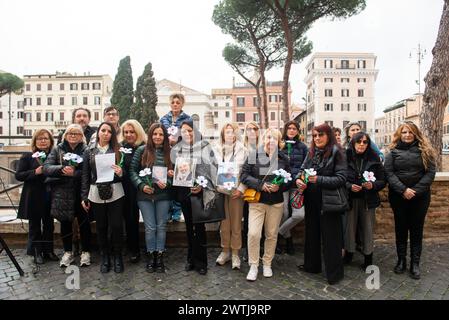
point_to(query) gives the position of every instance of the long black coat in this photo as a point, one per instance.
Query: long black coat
(65, 190)
(34, 199)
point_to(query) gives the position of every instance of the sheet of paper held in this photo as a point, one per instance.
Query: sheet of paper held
(104, 163)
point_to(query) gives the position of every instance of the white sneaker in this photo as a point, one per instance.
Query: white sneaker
(267, 272)
(252, 274)
(223, 258)
(66, 259)
(85, 259)
(235, 261)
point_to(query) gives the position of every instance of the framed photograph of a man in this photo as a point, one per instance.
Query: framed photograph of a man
(184, 172)
(160, 174)
(227, 177)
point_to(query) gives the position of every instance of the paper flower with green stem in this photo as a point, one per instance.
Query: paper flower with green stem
(368, 176)
(282, 176)
(146, 175)
(40, 156)
(309, 173)
(124, 151)
(73, 159)
(290, 144)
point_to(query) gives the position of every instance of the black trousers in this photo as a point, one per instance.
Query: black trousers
(325, 229)
(40, 232)
(409, 216)
(196, 238)
(109, 216)
(84, 227)
(131, 217)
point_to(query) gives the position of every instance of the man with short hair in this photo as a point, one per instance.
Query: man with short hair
(81, 116)
(111, 115)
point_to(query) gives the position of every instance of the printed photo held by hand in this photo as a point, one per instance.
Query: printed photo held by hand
(184, 172)
(227, 177)
(159, 174)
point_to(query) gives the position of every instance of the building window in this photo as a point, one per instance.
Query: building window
(255, 102)
(28, 87)
(49, 86)
(345, 107)
(328, 64)
(361, 93)
(256, 117)
(27, 133)
(273, 98)
(344, 80)
(97, 101)
(215, 104)
(361, 80)
(345, 92)
(49, 101)
(38, 101)
(328, 80)
(329, 123)
(61, 86)
(96, 86)
(345, 123)
(19, 130)
(61, 116)
(240, 117)
(74, 86)
(328, 92)
(28, 101)
(345, 64)
(38, 116)
(273, 116)
(74, 101)
(215, 114)
(85, 86)
(61, 101)
(227, 114)
(240, 101)
(361, 107)
(1, 115)
(361, 64)
(328, 107)
(20, 115)
(38, 87)
(363, 124)
(97, 116)
(49, 116)
(227, 104)
(282, 115)
(27, 116)
(85, 101)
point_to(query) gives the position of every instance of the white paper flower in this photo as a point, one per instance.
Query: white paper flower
(173, 130)
(310, 172)
(201, 181)
(276, 173)
(126, 150)
(229, 185)
(79, 159)
(287, 177)
(37, 154)
(68, 156)
(290, 141)
(369, 176)
(145, 172)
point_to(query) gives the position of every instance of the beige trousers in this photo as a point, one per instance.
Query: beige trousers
(268, 216)
(231, 227)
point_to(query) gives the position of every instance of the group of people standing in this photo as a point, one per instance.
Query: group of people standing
(338, 187)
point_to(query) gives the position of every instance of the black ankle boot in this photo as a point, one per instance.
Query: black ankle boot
(279, 249)
(414, 270)
(38, 258)
(347, 259)
(118, 263)
(160, 267)
(105, 263)
(401, 265)
(289, 248)
(150, 267)
(368, 261)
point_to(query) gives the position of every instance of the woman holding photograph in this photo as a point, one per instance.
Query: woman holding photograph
(191, 145)
(153, 196)
(107, 199)
(133, 137)
(230, 149)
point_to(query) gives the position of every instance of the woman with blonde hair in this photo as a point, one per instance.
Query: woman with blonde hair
(267, 212)
(410, 170)
(133, 137)
(230, 149)
(34, 203)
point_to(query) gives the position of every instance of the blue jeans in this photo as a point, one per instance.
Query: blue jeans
(155, 216)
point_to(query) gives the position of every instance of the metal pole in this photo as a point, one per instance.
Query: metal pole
(9, 121)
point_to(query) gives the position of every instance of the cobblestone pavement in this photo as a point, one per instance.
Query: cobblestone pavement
(226, 284)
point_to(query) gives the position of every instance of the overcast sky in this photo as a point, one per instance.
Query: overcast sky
(179, 38)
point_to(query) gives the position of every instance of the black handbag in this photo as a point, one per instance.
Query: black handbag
(335, 200)
(214, 213)
(105, 190)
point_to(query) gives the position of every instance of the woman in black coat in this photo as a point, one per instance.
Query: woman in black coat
(365, 178)
(410, 169)
(329, 163)
(35, 199)
(133, 137)
(63, 168)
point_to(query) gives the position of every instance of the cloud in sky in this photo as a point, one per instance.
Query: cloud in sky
(179, 38)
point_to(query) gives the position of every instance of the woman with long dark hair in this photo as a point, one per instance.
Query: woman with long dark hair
(154, 196)
(106, 200)
(323, 229)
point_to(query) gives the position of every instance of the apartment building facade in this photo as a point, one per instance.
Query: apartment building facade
(16, 119)
(446, 129)
(221, 106)
(340, 89)
(49, 99)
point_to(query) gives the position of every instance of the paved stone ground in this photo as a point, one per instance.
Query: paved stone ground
(226, 284)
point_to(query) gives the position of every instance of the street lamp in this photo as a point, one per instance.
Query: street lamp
(420, 53)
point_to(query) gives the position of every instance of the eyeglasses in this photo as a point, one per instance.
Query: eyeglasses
(253, 129)
(74, 134)
(112, 114)
(362, 142)
(319, 134)
(43, 139)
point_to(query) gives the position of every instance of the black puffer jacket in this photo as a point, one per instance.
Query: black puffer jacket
(405, 169)
(65, 190)
(296, 156)
(89, 174)
(331, 173)
(370, 162)
(253, 175)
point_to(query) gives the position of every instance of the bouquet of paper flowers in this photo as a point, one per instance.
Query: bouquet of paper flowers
(73, 159)
(282, 176)
(40, 157)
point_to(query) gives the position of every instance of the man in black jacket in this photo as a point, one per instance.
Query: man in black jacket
(81, 116)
